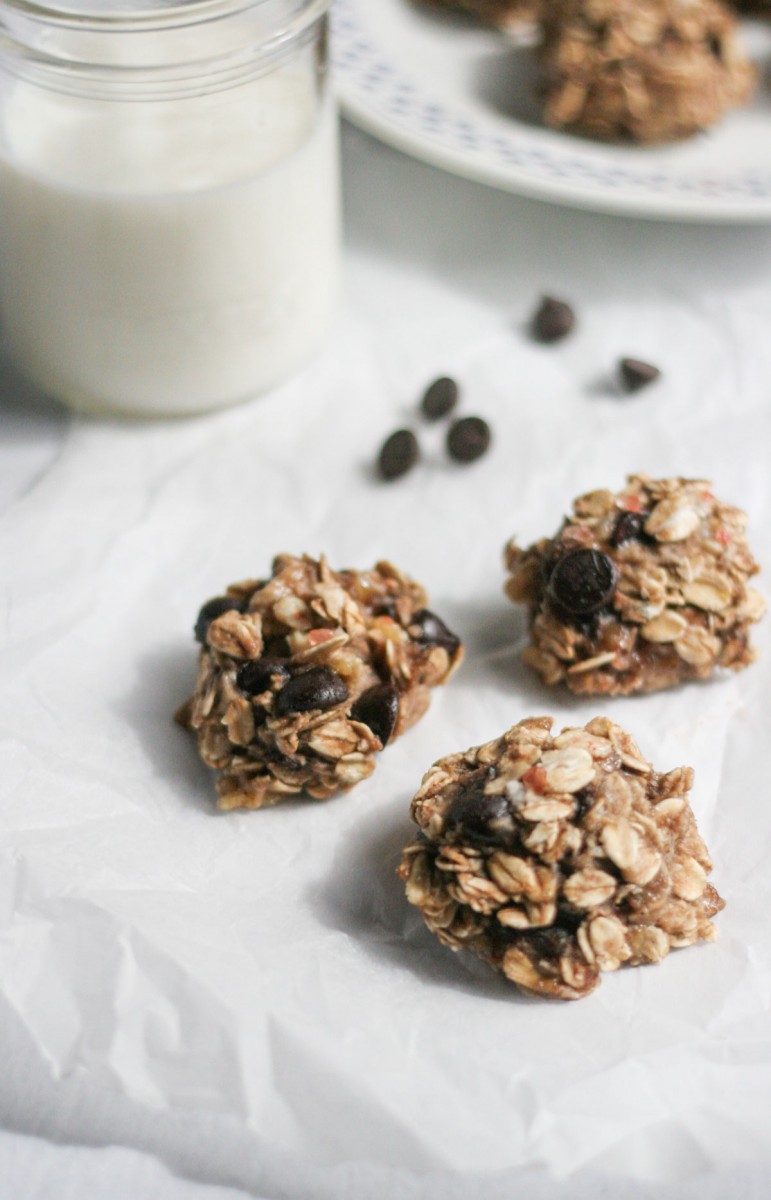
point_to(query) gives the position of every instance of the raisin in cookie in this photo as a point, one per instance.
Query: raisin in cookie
(638, 591)
(556, 858)
(304, 678)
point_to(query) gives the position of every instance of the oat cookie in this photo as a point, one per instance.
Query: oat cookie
(304, 678)
(556, 858)
(641, 70)
(638, 590)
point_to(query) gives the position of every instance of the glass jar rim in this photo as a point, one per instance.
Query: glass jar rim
(44, 42)
(135, 14)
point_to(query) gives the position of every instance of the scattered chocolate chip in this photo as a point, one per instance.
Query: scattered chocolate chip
(378, 708)
(213, 609)
(553, 320)
(439, 398)
(468, 439)
(321, 687)
(582, 581)
(479, 817)
(432, 631)
(636, 374)
(255, 677)
(629, 527)
(398, 454)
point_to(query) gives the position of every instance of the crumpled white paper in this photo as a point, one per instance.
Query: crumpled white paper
(266, 965)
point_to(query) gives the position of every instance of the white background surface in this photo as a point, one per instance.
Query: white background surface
(241, 1005)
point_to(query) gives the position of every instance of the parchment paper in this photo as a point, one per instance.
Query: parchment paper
(266, 965)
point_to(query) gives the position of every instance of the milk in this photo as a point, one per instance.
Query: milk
(151, 263)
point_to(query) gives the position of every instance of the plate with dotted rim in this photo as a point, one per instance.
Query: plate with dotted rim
(462, 98)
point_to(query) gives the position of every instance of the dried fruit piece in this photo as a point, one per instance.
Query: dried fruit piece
(309, 675)
(617, 879)
(640, 590)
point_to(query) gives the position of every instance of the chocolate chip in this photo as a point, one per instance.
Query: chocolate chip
(553, 320)
(254, 678)
(629, 527)
(378, 708)
(259, 716)
(439, 398)
(386, 608)
(468, 439)
(432, 631)
(636, 374)
(479, 817)
(583, 801)
(285, 764)
(321, 687)
(213, 609)
(582, 581)
(398, 454)
(549, 944)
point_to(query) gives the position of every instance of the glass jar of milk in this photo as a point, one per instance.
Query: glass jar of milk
(169, 199)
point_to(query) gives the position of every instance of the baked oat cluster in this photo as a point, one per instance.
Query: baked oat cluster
(641, 70)
(556, 858)
(305, 677)
(639, 590)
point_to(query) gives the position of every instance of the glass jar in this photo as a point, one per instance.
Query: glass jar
(169, 198)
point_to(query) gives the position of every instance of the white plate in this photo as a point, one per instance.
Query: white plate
(460, 97)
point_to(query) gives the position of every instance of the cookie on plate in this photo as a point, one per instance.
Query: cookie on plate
(641, 70)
